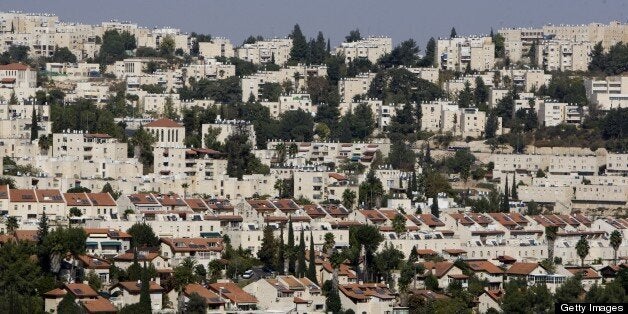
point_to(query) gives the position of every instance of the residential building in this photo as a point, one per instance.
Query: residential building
(371, 48)
(462, 53)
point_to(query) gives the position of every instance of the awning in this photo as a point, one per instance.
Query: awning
(91, 243)
(211, 235)
(110, 243)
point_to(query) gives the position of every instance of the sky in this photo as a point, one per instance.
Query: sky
(399, 19)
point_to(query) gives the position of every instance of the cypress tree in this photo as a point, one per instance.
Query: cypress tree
(505, 206)
(280, 263)
(290, 249)
(434, 207)
(453, 33)
(301, 262)
(34, 126)
(311, 270)
(145, 303)
(513, 191)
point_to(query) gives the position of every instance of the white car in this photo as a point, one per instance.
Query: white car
(247, 274)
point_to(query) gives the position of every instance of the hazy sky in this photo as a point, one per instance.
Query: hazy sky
(400, 19)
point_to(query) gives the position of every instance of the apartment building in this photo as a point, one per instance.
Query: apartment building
(555, 113)
(608, 93)
(455, 86)
(265, 51)
(209, 69)
(527, 79)
(350, 87)
(291, 102)
(87, 146)
(217, 47)
(460, 53)
(156, 104)
(554, 55)
(428, 74)
(296, 76)
(371, 48)
(202, 250)
(72, 71)
(616, 164)
(472, 122)
(226, 128)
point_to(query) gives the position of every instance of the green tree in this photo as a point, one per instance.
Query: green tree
(431, 282)
(550, 236)
(290, 249)
(311, 270)
(615, 241)
(429, 60)
(453, 33)
(402, 156)
(34, 124)
(196, 304)
(145, 303)
(167, 46)
(406, 54)
(68, 305)
(63, 55)
(142, 235)
(296, 125)
(301, 267)
(371, 191)
(143, 141)
(299, 50)
(332, 302)
(329, 244)
(362, 122)
(570, 290)
(505, 204)
(11, 224)
(491, 126)
(399, 224)
(582, 249)
(354, 35)
(348, 198)
(466, 96)
(114, 46)
(94, 280)
(434, 208)
(267, 251)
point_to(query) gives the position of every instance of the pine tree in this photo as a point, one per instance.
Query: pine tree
(266, 254)
(299, 50)
(290, 249)
(453, 33)
(301, 261)
(413, 257)
(311, 270)
(434, 207)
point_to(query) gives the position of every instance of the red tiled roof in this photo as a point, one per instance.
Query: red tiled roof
(587, 272)
(133, 287)
(164, 123)
(209, 296)
(438, 269)
(14, 67)
(99, 305)
(194, 244)
(232, 292)
(522, 268)
(484, 266)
